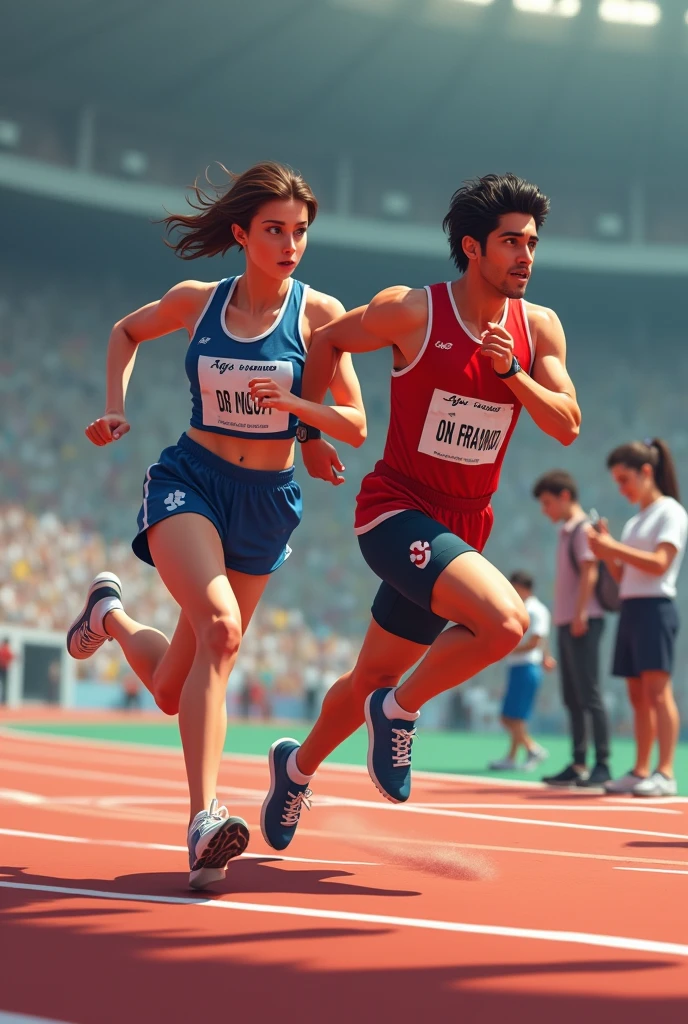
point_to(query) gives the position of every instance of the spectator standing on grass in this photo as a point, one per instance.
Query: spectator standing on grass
(6, 659)
(524, 676)
(646, 562)
(131, 692)
(579, 618)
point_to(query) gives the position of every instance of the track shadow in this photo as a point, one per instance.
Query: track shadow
(66, 914)
(478, 790)
(546, 795)
(243, 876)
(658, 846)
(164, 966)
(260, 876)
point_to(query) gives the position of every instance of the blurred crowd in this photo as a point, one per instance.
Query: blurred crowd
(68, 509)
(47, 564)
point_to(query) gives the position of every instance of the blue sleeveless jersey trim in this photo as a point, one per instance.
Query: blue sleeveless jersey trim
(220, 365)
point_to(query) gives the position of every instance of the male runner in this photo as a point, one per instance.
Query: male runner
(468, 354)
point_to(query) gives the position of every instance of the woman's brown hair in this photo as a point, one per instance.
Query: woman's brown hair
(655, 453)
(209, 232)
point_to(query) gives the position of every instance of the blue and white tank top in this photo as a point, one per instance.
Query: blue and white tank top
(219, 367)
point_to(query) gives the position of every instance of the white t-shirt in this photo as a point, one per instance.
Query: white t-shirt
(539, 626)
(665, 521)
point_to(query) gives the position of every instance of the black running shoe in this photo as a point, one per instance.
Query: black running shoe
(597, 777)
(86, 634)
(568, 777)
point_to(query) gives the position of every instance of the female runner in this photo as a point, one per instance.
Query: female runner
(219, 507)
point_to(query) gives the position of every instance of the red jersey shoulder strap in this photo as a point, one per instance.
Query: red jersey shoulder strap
(518, 310)
(432, 298)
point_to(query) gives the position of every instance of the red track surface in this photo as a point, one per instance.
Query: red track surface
(316, 957)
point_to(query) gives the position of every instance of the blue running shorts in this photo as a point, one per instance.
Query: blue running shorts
(254, 511)
(522, 686)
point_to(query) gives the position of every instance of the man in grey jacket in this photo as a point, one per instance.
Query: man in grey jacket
(579, 619)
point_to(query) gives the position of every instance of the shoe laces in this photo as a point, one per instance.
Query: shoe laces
(217, 812)
(212, 817)
(293, 805)
(88, 640)
(402, 740)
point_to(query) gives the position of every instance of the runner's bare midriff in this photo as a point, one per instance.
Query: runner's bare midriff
(247, 452)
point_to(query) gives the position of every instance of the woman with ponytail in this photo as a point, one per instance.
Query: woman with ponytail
(219, 506)
(646, 562)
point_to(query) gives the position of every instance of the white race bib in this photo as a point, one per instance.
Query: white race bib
(226, 398)
(469, 431)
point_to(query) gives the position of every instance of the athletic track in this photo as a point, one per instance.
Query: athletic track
(477, 902)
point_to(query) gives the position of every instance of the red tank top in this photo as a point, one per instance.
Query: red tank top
(451, 416)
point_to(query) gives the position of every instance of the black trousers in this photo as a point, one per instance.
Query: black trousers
(579, 664)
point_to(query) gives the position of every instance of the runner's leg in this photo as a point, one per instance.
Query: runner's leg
(478, 594)
(189, 557)
(163, 665)
(470, 590)
(383, 660)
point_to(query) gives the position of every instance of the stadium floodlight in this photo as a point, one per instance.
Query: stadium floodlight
(367, 6)
(630, 12)
(10, 133)
(556, 8)
(396, 204)
(475, 3)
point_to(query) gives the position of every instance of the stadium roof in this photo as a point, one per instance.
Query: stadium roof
(437, 79)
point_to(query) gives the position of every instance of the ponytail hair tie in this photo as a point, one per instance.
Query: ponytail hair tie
(648, 442)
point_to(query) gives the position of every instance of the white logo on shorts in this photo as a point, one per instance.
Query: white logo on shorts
(444, 344)
(174, 499)
(420, 553)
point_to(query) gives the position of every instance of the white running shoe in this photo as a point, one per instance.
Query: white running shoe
(625, 784)
(534, 758)
(503, 764)
(656, 785)
(86, 634)
(213, 840)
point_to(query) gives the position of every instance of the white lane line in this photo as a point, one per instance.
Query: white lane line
(88, 775)
(654, 871)
(256, 796)
(491, 848)
(415, 809)
(574, 806)
(324, 834)
(546, 935)
(20, 796)
(249, 759)
(133, 845)
(130, 748)
(159, 751)
(21, 1018)
(329, 801)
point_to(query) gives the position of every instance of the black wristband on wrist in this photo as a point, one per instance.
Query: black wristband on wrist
(304, 433)
(513, 369)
